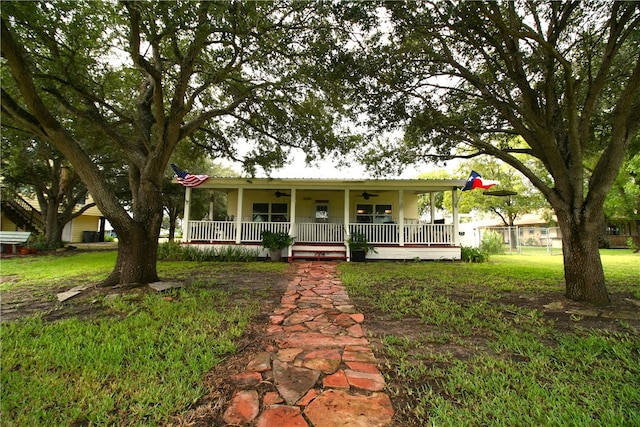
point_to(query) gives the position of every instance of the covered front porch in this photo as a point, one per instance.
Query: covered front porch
(321, 215)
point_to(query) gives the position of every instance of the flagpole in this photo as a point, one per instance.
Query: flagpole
(457, 198)
(185, 217)
(456, 237)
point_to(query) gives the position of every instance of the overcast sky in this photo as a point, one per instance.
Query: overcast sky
(329, 169)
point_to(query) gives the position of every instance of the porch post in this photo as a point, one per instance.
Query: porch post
(454, 202)
(239, 216)
(346, 222)
(186, 232)
(347, 234)
(401, 216)
(292, 221)
(432, 207)
(211, 203)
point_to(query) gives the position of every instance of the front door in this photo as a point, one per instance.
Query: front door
(322, 212)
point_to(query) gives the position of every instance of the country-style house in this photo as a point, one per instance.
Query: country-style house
(321, 215)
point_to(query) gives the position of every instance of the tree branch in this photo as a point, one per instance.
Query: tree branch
(20, 115)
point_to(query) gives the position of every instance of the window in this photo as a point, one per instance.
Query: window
(378, 214)
(270, 212)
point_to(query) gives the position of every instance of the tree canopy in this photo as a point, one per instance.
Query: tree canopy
(464, 78)
(144, 76)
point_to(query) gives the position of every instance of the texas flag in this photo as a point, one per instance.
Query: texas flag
(476, 181)
(188, 180)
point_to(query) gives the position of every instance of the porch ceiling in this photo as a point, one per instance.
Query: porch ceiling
(412, 185)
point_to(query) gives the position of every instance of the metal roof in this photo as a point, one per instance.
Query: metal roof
(419, 185)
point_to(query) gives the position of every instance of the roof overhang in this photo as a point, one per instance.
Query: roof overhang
(414, 185)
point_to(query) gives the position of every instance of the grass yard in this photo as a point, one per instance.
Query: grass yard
(497, 344)
(460, 344)
(126, 356)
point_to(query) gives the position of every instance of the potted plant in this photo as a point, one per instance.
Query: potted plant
(359, 247)
(276, 242)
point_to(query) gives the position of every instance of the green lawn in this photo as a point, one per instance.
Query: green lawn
(471, 344)
(47, 270)
(461, 344)
(140, 359)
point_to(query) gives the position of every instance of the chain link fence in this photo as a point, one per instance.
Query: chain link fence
(523, 240)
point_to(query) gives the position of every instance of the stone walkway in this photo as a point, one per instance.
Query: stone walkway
(319, 363)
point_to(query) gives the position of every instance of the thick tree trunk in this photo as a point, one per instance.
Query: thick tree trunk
(52, 228)
(137, 257)
(583, 272)
(53, 237)
(513, 237)
(138, 239)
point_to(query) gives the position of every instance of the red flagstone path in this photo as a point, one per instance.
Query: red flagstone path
(320, 363)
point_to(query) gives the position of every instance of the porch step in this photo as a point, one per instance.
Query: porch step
(318, 252)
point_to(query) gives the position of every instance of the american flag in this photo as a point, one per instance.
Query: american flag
(188, 180)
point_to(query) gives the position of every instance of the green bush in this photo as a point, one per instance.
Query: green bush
(275, 241)
(237, 253)
(38, 241)
(473, 255)
(491, 243)
(172, 251)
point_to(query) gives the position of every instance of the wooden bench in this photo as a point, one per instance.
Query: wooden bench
(13, 239)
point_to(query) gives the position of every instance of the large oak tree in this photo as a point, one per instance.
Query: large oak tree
(464, 78)
(146, 75)
(33, 168)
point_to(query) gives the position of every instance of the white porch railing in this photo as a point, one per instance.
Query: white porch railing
(310, 232)
(252, 231)
(414, 234)
(377, 233)
(429, 234)
(212, 231)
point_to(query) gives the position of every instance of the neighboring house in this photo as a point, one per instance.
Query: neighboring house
(85, 228)
(619, 234)
(528, 230)
(534, 230)
(20, 214)
(321, 214)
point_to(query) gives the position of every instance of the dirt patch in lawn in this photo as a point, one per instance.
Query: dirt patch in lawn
(567, 315)
(24, 301)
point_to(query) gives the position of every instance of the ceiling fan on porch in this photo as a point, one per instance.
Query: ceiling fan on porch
(367, 196)
(281, 194)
